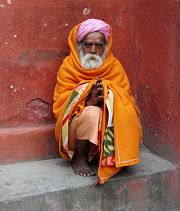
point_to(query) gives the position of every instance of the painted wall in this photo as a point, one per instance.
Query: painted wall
(33, 43)
(159, 75)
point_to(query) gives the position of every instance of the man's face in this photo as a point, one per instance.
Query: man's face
(94, 43)
(92, 50)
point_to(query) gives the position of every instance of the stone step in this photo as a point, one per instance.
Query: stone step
(51, 185)
(19, 144)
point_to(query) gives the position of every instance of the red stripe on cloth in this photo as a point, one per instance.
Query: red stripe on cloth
(64, 120)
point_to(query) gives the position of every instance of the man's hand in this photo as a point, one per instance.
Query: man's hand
(95, 97)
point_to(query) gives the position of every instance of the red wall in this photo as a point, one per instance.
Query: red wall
(159, 75)
(33, 43)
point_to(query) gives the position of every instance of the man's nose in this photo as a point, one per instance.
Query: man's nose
(93, 49)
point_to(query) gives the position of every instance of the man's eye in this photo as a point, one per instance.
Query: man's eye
(99, 45)
(87, 45)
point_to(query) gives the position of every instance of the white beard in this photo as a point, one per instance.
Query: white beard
(90, 61)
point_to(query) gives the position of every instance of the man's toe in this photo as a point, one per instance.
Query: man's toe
(93, 173)
(77, 172)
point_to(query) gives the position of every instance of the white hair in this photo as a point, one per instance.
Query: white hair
(90, 61)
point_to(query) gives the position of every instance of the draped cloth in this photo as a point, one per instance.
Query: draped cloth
(93, 25)
(126, 129)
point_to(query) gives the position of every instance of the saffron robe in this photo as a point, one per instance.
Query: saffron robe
(127, 131)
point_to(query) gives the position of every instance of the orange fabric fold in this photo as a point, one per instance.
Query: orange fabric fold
(127, 128)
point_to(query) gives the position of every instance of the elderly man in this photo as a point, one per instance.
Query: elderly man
(95, 111)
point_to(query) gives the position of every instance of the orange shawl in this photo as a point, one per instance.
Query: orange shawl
(127, 128)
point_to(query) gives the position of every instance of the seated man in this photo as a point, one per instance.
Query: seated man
(95, 111)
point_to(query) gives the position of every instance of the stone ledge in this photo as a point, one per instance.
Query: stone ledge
(19, 144)
(51, 185)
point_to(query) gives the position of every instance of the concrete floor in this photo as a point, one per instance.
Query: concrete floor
(52, 185)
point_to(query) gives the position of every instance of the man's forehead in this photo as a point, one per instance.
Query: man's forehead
(94, 37)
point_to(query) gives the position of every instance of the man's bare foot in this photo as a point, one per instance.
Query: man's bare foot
(81, 167)
(79, 162)
(96, 96)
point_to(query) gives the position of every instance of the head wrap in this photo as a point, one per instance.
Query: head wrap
(93, 25)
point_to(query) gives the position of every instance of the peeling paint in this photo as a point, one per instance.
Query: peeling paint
(11, 86)
(86, 11)
(15, 36)
(36, 110)
(120, 21)
(2, 5)
(155, 133)
(45, 25)
(9, 1)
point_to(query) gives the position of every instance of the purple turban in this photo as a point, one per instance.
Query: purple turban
(93, 25)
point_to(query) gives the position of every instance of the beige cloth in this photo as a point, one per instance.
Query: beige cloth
(85, 127)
